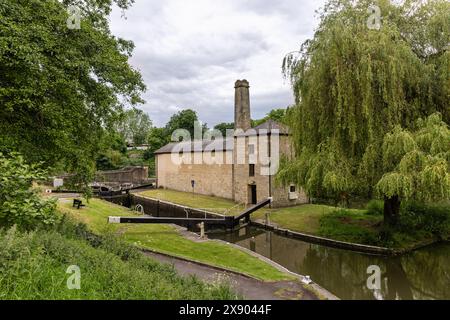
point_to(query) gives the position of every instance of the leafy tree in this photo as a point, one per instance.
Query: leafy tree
(358, 95)
(135, 126)
(275, 114)
(156, 139)
(113, 150)
(416, 165)
(184, 119)
(19, 204)
(224, 126)
(62, 88)
(110, 160)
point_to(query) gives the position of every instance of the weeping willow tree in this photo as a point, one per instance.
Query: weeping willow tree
(360, 93)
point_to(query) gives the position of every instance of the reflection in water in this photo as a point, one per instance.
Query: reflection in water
(422, 274)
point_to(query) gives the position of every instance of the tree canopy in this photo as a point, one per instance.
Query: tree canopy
(20, 204)
(157, 139)
(62, 88)
(184, 119)
(134, 126)
(359, 93)
(224, 126)
(274, 114)
(416, 163)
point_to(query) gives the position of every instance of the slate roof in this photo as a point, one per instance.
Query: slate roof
(221, 144)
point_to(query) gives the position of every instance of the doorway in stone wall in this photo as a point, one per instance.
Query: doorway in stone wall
(252, 199)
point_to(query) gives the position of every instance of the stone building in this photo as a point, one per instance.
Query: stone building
(240, 166)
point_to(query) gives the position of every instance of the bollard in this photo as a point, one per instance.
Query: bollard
(253, 244)
(267, 219)
(202, 230)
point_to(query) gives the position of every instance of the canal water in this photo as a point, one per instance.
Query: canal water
(422, 274)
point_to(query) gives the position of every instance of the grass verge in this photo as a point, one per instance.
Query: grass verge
(209, 203)
(33, 266)
(167, 239)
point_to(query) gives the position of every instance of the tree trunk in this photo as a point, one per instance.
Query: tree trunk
(391, 210)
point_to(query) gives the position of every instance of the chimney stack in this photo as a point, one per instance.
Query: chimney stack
(242, 105)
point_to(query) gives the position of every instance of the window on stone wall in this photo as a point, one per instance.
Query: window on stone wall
(251, 170)
(292, 188)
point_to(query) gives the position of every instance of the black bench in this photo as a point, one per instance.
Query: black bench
(78, 204)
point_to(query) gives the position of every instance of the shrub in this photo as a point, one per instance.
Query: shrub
(431, 218)
(375, 207)
(345, 225)
(19, 204)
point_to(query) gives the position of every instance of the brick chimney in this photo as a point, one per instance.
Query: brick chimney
(242, 105)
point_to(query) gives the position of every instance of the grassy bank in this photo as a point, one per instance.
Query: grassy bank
(33, 266)
(167, 239)
(352, 225)
(418, 225)
(209, 203)
(304, 218)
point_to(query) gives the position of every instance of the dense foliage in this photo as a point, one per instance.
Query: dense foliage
(419, 224)
(61, 88)
(224, 126)
(20, 204)
(184, 119)
(359, 95)
(33, 266)
(277, 115)
(417, 163)
(134, 126)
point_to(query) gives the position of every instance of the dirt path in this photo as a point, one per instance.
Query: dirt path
(249, 288)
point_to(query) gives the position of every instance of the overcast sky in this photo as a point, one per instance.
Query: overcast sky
(191, 52)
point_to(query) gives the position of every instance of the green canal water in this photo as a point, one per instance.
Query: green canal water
(422, 274)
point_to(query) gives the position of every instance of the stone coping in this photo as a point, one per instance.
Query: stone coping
(357, 247)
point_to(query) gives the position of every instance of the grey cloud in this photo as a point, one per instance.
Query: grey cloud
(190, 65)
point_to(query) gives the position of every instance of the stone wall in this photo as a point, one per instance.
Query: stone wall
(265, 185)
(210, 179)
(135, 175)
(241, 177)
(280, 193)
(225, 180)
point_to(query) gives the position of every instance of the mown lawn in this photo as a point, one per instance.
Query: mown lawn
(309, 218)
(351, 225)
(167, 239)
(209, 203)
(303, 218)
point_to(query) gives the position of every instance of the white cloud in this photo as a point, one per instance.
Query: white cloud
(191, 52)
